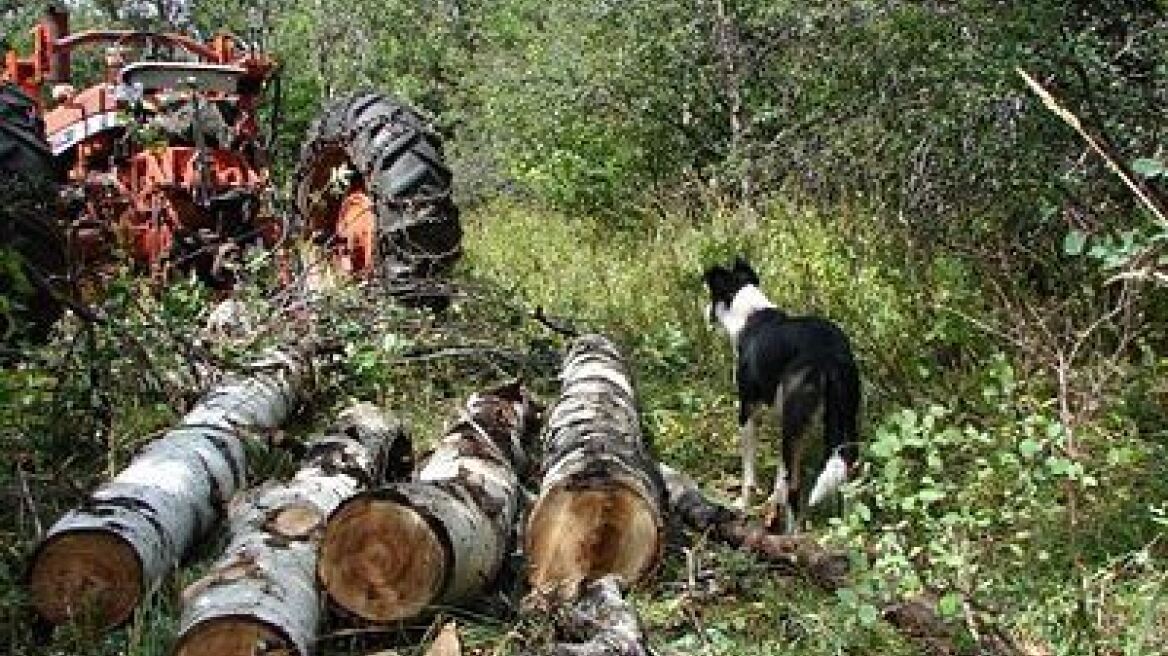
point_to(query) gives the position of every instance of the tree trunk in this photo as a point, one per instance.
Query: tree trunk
(601, 622)
(730, 52)
(600, 504)
(261, 597)
(97, 562)
(389, 554)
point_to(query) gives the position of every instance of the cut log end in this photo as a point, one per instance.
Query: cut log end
(579, 535)
(89, 577)
(447, 643)
(381, 560)
(234, 636)
(294, 521)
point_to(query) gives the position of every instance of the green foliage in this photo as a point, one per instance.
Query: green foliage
(1149, 168)
(645, 287)
(965, 493)
(981, 507)
(72, 413)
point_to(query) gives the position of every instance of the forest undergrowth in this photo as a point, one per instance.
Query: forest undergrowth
(1040, 528)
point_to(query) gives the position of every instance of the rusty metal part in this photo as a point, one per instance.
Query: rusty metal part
(356, 232)
(162, 159)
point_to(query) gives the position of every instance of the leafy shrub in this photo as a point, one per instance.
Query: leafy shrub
(985, 509)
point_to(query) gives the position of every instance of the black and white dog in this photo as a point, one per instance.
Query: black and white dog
(795, 365)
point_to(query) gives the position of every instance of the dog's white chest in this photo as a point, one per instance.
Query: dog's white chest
(733, 317)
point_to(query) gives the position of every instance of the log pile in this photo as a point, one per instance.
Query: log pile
(385, 552)
(391, 553)
(98, 561)
(601, 500)
(261, 596)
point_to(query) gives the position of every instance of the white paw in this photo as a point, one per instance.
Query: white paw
(834, 474)
(790, 524)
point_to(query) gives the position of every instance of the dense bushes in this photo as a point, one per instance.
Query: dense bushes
(620, 108)
(637, 110)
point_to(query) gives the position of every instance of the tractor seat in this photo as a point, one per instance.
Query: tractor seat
(156, 76)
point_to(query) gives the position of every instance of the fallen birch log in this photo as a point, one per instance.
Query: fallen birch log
(600, 622)
(800, 552)
(389, 554)
(601, 499)
(98, 561)
(261, 597)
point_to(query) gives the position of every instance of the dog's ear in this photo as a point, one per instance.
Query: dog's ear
(744, 271)
(714, 275)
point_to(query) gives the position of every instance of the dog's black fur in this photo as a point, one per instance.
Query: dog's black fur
(794, 364)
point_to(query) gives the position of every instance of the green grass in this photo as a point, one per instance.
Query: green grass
(644, 288)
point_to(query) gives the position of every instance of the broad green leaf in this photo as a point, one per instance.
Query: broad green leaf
(948, 605)
(930, 495)
(1029, 447)
(1074, 242)
(847, 596)
(1149, 168)
(864, 513)
(869, 615)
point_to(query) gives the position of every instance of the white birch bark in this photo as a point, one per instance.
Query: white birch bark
(600, 503)
(389, 554)
(261, 596)
(601, 622)
(98, 561)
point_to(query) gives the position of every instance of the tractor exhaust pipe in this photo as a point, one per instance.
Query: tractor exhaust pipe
(54, 27)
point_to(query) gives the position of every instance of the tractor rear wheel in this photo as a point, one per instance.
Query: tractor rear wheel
(32, 246)
(372, 181)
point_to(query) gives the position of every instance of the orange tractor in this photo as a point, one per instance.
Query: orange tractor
(164, 157)
(165, 160)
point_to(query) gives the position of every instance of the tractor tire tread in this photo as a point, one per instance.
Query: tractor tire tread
(400, 159)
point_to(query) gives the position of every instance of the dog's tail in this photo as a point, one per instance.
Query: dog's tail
(841, 407)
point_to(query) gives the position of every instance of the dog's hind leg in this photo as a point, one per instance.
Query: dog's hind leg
(778, 505)
(748, 445)
(798, 405)
(789, 494)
